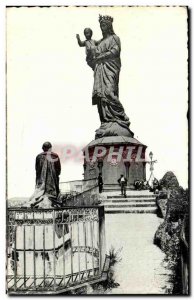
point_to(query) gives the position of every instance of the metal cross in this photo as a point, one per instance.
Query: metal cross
(151, 162)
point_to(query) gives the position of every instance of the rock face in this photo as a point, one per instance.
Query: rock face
(162, 204)
(173, 202)
(169, 181)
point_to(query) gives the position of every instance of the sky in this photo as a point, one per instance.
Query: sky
(49, 86)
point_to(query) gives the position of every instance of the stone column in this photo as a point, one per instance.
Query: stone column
(84, 166)
(127, 165)
(144, 171)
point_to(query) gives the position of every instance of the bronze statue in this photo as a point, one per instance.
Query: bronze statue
(106, 64)
(48, 169)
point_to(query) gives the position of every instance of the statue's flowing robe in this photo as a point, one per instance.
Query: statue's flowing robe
(48, 169)
(106, 80)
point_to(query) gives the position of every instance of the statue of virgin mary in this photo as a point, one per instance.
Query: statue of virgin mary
(107, 65)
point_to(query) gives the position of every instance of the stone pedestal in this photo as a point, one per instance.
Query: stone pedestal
(113, 156)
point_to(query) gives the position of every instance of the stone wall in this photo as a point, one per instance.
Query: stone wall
(89, 197)
(77, 186)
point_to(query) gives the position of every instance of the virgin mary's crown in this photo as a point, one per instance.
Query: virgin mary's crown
(106, 19)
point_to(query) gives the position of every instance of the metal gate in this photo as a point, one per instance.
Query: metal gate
(53, 250)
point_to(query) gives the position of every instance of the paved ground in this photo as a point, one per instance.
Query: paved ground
(142, 270)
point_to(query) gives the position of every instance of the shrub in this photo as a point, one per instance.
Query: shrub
(178, 204)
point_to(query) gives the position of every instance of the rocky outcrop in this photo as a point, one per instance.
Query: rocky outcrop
(169, 181)
(173, 203)
(161, 201)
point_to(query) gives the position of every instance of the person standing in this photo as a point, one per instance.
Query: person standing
(123, 183)
(100, 182)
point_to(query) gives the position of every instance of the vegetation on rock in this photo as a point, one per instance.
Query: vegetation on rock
(169, 181)
(173, 202)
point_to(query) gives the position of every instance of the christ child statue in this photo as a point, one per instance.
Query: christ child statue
(90, 46)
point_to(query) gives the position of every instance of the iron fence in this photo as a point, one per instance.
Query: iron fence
(51, 250)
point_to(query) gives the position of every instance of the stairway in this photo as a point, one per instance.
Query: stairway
(135, 202)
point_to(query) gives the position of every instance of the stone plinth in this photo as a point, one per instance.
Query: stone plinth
(113, 156)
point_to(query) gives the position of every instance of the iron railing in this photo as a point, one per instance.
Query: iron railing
(51, 250)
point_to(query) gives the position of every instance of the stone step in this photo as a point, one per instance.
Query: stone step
(140, 205)
(115, 188)
(147, 203)
(132, 196)
(121, 200)
(130, 192)
(132, 210)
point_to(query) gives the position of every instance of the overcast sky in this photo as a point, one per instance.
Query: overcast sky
(49, 86)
